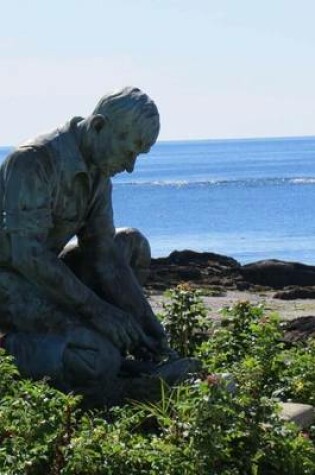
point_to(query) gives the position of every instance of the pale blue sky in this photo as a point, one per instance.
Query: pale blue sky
(216, 69)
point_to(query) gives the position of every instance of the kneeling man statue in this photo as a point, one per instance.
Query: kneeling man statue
(76, 314)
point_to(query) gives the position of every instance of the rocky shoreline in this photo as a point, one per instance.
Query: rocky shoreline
(291, 280)
(285, 287)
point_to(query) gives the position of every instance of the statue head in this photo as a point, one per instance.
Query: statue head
(123, 125)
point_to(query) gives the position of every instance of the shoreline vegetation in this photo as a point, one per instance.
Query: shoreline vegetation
(287, 288)
(225, 420)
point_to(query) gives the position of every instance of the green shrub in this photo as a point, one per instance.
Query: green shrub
(185, 319)
(297, 377)
(36, 421)
(198, 427)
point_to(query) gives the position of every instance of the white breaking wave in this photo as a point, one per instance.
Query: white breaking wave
(252, 182)
(176, 183)
(303, 181)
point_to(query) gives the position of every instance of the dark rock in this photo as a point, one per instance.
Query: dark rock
(201, 269)
(296, 293)
(189, 273)
(206, 259)
(278, 274)
(299, 329)
(242, 285)
(214, 281)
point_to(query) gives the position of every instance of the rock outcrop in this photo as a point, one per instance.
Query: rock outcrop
(219, 273)
(200, 269)
(207, 269)
(299, 329)
(279, 274)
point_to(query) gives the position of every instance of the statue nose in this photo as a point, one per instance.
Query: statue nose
(130, 167)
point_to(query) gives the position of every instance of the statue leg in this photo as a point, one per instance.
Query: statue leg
(133, 246)
(47, 341)
(84, 362)
(79, 360)
(136, 250)
(24, 308)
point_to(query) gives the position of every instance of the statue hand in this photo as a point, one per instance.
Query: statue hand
(164, 351)
(122, 330)
(152, 326)
(157, 350)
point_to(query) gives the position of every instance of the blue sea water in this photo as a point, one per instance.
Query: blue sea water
(250, 199)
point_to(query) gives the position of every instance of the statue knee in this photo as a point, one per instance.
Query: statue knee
(71, 255)
(89, 361)
(136, 250)
(81, 361)
(37, 356)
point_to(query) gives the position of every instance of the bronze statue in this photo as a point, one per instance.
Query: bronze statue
(77, 314)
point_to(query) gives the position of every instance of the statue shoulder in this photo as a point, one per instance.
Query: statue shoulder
(29, 160)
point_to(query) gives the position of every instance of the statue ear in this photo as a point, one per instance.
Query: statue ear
(98, 121)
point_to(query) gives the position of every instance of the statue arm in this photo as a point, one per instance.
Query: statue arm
(116, 280)
(29, 182)
(57, 281)
(119, 285)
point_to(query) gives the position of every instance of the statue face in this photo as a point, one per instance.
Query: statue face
(117, 148)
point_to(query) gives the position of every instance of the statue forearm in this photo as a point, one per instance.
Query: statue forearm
(120, 287)
(55, 279)
(60, 284)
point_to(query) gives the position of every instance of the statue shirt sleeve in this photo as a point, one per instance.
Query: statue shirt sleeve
(29, 181)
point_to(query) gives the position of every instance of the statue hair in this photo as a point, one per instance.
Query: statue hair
(133, 108)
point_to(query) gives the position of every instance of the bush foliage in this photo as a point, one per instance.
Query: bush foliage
(225, 421)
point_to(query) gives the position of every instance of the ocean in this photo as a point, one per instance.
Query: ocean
(250, 199)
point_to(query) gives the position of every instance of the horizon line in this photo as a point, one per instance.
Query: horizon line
(225, 139)
(217, 139)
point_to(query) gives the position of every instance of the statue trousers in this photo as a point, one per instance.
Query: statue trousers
(48, 342)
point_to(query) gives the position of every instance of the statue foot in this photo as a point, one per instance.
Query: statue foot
(169, 370)
(176, 371)
(147, 384)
